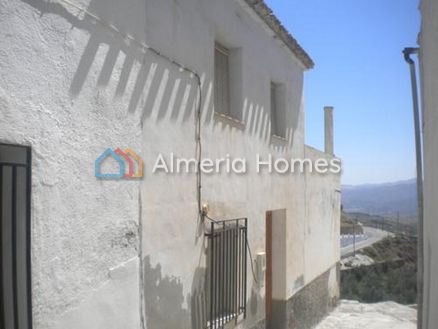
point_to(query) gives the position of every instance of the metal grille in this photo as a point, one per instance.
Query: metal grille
(15, 281)
(227, 262)
(221, 80)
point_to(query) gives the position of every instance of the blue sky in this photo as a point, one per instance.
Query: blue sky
(356, 45)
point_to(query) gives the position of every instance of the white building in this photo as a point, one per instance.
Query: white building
(429, 85)
(80, 76)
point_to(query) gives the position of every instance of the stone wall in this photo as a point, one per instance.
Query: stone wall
(309, 305)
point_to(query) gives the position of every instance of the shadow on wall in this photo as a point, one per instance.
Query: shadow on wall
(164, 300)
(157, 89)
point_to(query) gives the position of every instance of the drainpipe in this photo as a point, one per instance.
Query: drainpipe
(407, 52)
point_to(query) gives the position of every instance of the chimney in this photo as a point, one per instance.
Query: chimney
(328, 129)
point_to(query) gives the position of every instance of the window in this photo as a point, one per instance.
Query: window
(15, 285)
(226, 265)
(222, 80)
(274, 119)
(228, 83)
(278, 113)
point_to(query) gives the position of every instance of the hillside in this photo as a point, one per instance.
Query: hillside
(349, 225)
(382, 199)
(392, 275)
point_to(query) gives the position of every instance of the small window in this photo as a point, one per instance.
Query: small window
(278, 113)
(222, 80)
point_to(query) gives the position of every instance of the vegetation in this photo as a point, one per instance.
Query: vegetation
(348, 225)
(392, 277)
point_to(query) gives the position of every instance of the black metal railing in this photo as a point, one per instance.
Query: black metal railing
(15, 252)
(227, 271)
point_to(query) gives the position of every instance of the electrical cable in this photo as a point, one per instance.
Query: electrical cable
(199, 146)
(252, 262)
(211, 219)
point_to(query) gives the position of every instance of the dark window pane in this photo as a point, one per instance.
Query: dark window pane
(13, 154)
(6, 222)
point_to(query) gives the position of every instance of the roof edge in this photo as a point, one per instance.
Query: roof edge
(266, 14)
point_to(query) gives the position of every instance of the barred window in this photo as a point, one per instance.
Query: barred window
(227, 266)
(15, 284)
(221, 79)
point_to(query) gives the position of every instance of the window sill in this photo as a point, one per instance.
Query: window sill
(229, 119)
(279, 138)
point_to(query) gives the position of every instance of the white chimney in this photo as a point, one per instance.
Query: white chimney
(328, 129)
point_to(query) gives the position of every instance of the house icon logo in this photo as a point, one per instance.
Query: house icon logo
(129, 164)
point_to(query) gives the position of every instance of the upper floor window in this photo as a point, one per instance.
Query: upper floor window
(222, 79)
(278, 110)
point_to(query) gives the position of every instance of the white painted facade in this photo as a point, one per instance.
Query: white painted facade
(131, 254)
(429, 85)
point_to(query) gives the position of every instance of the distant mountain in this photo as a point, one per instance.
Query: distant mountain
(381, 199)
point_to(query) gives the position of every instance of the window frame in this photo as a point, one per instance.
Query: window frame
(222, 97)
(278, 110)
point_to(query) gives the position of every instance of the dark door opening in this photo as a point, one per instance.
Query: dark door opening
(15, 274)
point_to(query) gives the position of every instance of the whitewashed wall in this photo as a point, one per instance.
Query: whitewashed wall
(429, 83)
(323, 211)
(71, 87)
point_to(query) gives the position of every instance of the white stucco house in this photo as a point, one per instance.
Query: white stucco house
(189, 78)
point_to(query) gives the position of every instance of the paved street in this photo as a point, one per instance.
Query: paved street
(373, 235)
(386, 315)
